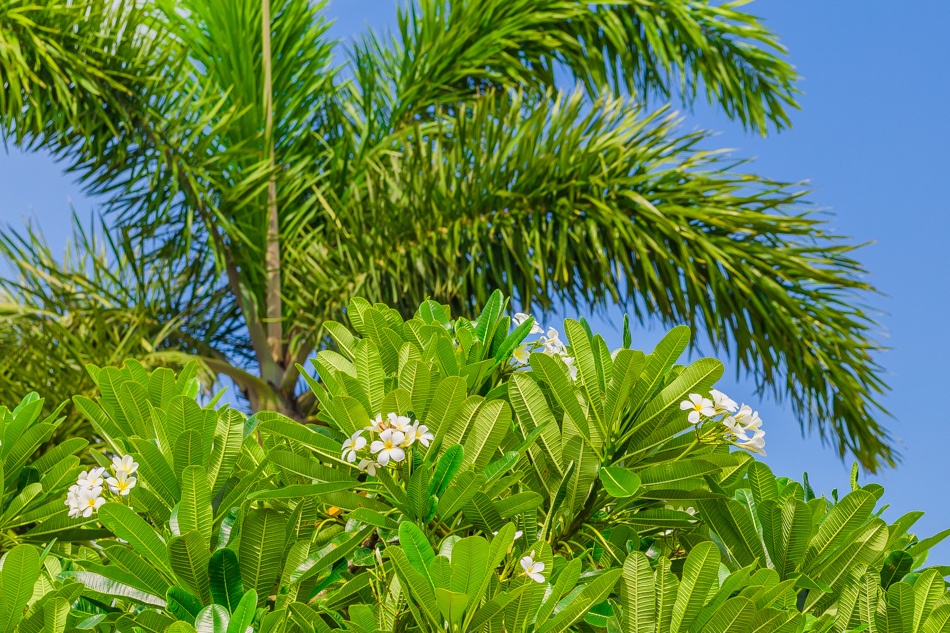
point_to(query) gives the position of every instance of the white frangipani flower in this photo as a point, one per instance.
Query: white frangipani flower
(350, 446)
(753, 423)
(89, 501)
(399, 422)
(754, 444)
(532, 568)
(571, 367)
(91, 478)
(521, 317)
(369, 466)
(72, 501)
(518, 534)
(388, 446)
(419, 433)
(697, 406)
(121, 484)
(552, 343)
(745, 416)
(733, 427)
(376, 426)
(723, 402)
(522, 354)
(124, 464)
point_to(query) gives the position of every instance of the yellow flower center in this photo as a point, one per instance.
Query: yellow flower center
(388, 444)
(91, 503)
(698, 407)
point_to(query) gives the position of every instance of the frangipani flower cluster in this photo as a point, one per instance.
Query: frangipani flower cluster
(85, 496)
(393, 435)
(550, 343)
(742, 424)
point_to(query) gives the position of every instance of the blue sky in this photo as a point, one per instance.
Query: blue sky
(872, 138)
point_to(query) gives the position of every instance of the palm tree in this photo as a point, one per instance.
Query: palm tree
(448, 159)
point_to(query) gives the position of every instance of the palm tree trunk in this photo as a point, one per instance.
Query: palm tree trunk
(272, 298)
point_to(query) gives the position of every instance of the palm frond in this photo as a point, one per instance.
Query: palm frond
(450, 50)
(551, 200)
(102, 303)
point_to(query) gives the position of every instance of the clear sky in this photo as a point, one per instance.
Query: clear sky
(872, 137)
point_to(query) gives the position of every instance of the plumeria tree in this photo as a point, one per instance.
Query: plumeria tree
(446, 162)
(455, 485)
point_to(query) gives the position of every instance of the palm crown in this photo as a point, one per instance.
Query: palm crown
(485, 144)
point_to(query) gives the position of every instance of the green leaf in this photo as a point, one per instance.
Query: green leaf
(446, 468)
(619, 482)
(734, 616)
(928, 589)
(896, 565)
(582, 477)
(698, 377)
(327, 556)
(900, 607)
(470, 566)
(304, 491)
(491, 424)
(182, 604)
(485, 325)
(638, 595)
(846, 517)
(560, 390)
(349, 414)
(371, 517)
(763, 483)
(518, 503)
(243, 614)
(155, 471)
(226, 448)
(261, 550)
(415, 378)
(924, 545)
(733, 523)
(143, 571)
(786, 531)
(537, 421)
(451, 604)
(112, 589)
(482, 513)
(417, 548)
(589, 374)
(328, 449)
(194, 511)
(225, 579)
(212, 619)
(418, 499)
(343, 338)
(699, 575)
(459, 493)
(188, 452)
(55, 615)
(21, 568)
(417, 585)
(370, 373)
(130, 527)
(446, 401)
(594, 593)
(626, 369)
(189, 559)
